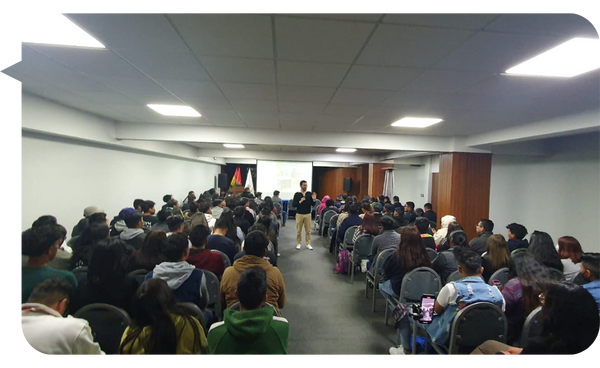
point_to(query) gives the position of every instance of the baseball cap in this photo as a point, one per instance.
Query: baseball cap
(88, 211)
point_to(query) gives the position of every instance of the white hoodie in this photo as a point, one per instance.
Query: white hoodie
(211, 221)
(441, 233)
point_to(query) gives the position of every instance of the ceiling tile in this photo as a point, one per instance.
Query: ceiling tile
(410, 46)
(571, 25)
(310, 74)
(304, 94)
(165, 65)
(213, 103)
(215, 113)
(107, 98)
(360, 96)
(319, 40)
(241, 35)
(301, 107)
(350, 17)
(460, 21)
(257, 117)
(412, 98)
(227, 122)
(254, 105)
(499, 85)
(380, 78)
(339, 119)
(249, 91)
(385, 111)
(262, 124)
(239, 70)
(189, 88)
(445, 81)
(336, 109)
(141, 89)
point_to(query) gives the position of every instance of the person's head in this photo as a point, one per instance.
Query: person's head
(265, 211)
(330, 203)
(370, 224)
(569, 247)
(533, 276)
(175, 223)
(428, 207)
(108, 263)
(94, 233)
(163, 215)
(484, 225)
(134, 220)
(167, 197)
(44, 221)
(388, 208)
(590, 266)
(191, 196)
(176, 248)
(542, 247)
(419, 212)
(98, 218)
(497, 251)
(386, 199)
(88, 211)
(243, 202)
(199, 236)
(239, 211)
(53, 293)
(276, 193)
(409, 206)
(173, 203)
(422, 224)
(259, 195)
(137, 204)
(218, 203)
(303, 185)
(353, 209)
(153, 242)
(204, 207)
(457, 238)
(396, 199)
(256, 243)
(193, 207)
(381, 197)
(225, 221)
(411, 250)
(252, 288)
(469, 263)
(453, 226)
(569, 317)
(377, 207)
(387, 223)
(517, 231)
(148, 207)
(366, 207)
(42, 241)
(125, 212)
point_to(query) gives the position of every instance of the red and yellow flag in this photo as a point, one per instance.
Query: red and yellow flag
(237, 178)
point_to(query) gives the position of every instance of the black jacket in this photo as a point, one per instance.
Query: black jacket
(305, 207)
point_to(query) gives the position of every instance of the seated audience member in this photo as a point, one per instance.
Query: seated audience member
(590, 270)
(255, 247)
(217, 208)
(562, 333)
(353, 219)
(187, 282)
(410, 255)
(41, 244)
(329, 206)
(269, 256)
(62, 260)
(444, 244)
(365, 208)
(134, 235)
(377, 210)
(323, 204)
(137, 204)
(230, 202)
(446, 261)
(497, 256)
(399, 220)
(455, 295)
(388, 239)
(43, 324)
(569, 250)
(148, 214)
(386, 200)
(204, 207)
(369, 225)
(160, 326)
(388, 210)
(422, 225)
(95, 218)
(173, 204)
(250, 214)
(83, 223)
(409, 212)
(266, 227)
(176, 225)
(87, 241)
(527, 278)
(343, 214)
(107, 279)
(277, 199)
(397, 203)
(191, 197)
(219, 240)
(259, 199)
(239, 220)
(118, 225)
(516, 235)
(166, 199)
(419, 212)
(150, 254)
(253, 329)
(542, 248)
(196, 217)
(162, 225)
(443, 231)
(201, 257)
(484, 229)
(429, 213)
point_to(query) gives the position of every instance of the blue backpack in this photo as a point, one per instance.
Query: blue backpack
(343, 260)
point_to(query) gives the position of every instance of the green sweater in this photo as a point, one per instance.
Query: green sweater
(249, 332)
(32, 277)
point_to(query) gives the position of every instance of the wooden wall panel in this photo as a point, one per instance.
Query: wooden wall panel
(434, 192)
(378, 179)
(331, 182)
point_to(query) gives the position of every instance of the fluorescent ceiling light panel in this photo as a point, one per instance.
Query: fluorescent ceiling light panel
(227, 145)
(410, 122)
(175, 110)
(56, 29)
(574, 57)
(348, 150)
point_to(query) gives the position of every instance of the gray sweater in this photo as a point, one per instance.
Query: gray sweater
(389, 239)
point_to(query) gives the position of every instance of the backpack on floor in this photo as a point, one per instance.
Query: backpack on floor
(343, 260)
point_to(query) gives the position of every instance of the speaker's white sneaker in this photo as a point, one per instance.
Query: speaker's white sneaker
(299, 246)
(309, 247)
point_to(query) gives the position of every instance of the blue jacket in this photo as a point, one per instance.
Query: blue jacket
(351, 220)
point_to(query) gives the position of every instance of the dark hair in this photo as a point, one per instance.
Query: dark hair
(410, 204)
(487, 225)
(366, 206)
(258, 194)
(147, 205)
(133, 219)
(239, 211)
(242, 201)
(174, 246)
(217, 202)
(152, 306)
(469, 260)
(452, 227)
(370, 225)
(172, 203)
(44, 220)
(591, 262)
(252, 288)
(151, 252)
(138, 203)
(411, 250)
(302, 182)
(37, 241)
(193, 207)
(389, 207)
(428, 206)
(276, 192)
(518, 230)
(396, 198)
(97, 218)
(167, 197)
(230, 202)
(570, 318)
(422, 224)
(386, 199)
(51, 291)
(569, 247)
(542, 248)
(387, 223)
(174, 222)
(226, 221)
(533, 277)
(199, 235)
(94, 233)
(330, 202)
(204, 207)
(163, 215)
(256, 243)
(108, 264)
(419, 212)
(265, 221)
(353, 209)
(458, 238)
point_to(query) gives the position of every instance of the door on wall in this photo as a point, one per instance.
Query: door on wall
(434, 190)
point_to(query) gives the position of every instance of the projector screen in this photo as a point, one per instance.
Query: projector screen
(284, 176)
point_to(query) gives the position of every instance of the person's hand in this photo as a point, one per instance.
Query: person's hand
(302, 199)
(433, 230)
(512, 351)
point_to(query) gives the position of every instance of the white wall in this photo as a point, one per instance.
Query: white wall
(413, 183)
(559, 194)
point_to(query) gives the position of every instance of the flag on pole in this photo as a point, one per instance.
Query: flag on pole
(249, 181)
(237, 178)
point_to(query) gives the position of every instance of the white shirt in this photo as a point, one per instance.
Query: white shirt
(449, 294)
(570, 269)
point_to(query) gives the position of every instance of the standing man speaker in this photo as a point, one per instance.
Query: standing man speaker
(304, 201)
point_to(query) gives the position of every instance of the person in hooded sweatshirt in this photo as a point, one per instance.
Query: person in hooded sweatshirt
(134, 235)
(204, 207)
(441, 233)
(255, 247)
(162, 225)
(516, 233)
(253, 329)
(187, 282)
(196, 217)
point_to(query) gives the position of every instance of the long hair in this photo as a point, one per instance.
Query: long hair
(570, 318)
(498, 251)
(533, 275)
(411, 250)
(151, 251)
(231, 227)
(108, 264)
(542, 248)
(370, 225)
(569, 247)
(152, 306)
(86, 243)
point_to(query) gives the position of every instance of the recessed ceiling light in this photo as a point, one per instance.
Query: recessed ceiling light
(346, 150)
(227, 145)
(410, 122)
(174, 110)
(574, 57)
(56, 29)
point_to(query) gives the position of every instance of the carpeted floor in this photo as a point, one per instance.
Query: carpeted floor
(327, 314)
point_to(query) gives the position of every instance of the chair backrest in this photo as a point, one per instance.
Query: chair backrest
(532, 327)
(467, 332)
(454, 276)
(236, 306)
(139, 275)
(327, 216)
(500, 275)
(484, 254)
(333, 221)
(518, 250)
(431, 253)
(214, 292)
(226, 260)
(349, 235)
(556, 274)
(196, 312)
(107, 323)
(421, 280)
(279, 208)
(291, 205)
(363, 244)
(381, 257)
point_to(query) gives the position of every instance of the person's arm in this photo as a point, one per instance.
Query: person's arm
(84, 343)
(296, 200)
(374, 247)
(447, 293)
(512, 351)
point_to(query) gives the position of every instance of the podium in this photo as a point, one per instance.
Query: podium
(239, 189)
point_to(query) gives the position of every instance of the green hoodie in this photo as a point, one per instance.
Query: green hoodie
(249, 332)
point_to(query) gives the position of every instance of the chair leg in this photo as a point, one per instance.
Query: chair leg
(374, 293)
(367, 287)
(352, 272)
(386, 309)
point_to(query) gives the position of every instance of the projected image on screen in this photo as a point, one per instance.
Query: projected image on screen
(284, 176)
